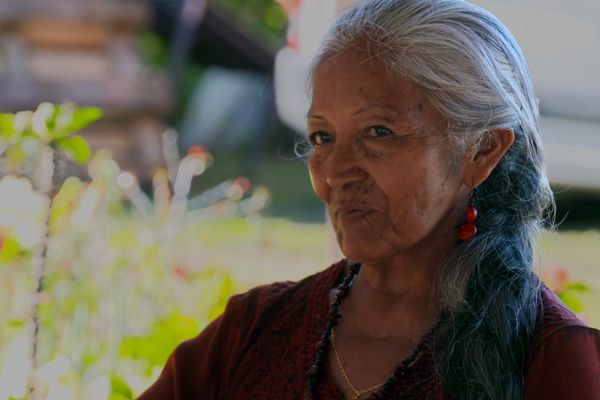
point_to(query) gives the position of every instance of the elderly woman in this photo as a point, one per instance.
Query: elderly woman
(426, 150)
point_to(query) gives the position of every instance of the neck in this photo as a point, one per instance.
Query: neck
(396, 297)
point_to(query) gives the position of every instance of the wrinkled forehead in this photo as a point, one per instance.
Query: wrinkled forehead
(359, 51)
(352, 81)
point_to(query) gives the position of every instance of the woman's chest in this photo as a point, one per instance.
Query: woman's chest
(279, 373)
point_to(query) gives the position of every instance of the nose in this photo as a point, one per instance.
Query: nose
(344, 168)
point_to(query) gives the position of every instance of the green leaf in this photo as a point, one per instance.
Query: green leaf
(76, 148)
(578, 287)
(120, 389)
(7, 125)
(16, 323)
(225, 290)
(81, 118)
(9, 249)
(164, 338)
(572, 301)
(118, 396)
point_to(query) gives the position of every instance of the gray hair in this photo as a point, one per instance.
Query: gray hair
(475, 75)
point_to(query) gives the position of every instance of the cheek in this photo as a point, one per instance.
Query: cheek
(424, 201)
(414, 196)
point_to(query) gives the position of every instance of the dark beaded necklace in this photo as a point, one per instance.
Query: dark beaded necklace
(315, 372)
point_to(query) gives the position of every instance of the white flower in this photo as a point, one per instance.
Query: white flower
(22, 210)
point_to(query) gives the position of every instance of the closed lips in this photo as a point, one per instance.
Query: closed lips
(353, 208)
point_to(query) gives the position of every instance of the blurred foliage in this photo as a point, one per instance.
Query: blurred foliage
(292, 197)
(24, 136)
(262, 17)
(155, 54)
(153, 48)
(567, 289)
(106, 326)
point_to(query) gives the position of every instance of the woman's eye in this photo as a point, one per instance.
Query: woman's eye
(379, 131)
(319, 138)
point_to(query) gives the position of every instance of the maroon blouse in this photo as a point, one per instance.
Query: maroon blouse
(263, 344)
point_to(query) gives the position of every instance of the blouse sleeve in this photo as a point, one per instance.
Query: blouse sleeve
(196, 369)
(566, 366)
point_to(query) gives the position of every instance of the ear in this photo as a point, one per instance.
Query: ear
(482, 159)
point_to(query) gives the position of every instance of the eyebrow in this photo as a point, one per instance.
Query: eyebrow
(376, 104)
(362, 110)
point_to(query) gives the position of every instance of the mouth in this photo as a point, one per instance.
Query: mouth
(353, 213)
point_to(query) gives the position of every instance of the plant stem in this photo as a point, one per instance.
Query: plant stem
(39, 263)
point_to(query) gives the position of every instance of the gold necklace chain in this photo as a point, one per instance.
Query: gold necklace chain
(357, 393)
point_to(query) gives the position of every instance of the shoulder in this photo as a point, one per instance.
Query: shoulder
(267, 323)
(554, 316)
(206, 364)
(267, 307)
(565, 355)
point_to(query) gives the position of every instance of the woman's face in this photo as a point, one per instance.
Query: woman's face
(381, 161)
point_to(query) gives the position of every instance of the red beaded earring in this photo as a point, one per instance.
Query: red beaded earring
(468, 230)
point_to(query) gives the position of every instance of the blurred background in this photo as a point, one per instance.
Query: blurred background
(148, 172)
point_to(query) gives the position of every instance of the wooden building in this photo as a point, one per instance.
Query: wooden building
(84, 51)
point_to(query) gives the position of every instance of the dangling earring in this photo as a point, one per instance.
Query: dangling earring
(468, 230)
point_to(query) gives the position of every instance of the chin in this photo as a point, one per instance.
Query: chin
(365, 252)
(372, 247)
